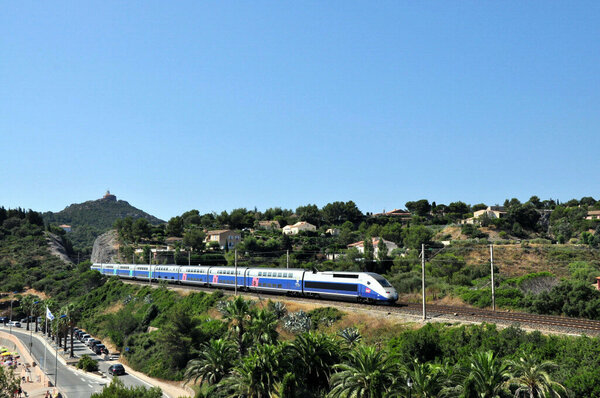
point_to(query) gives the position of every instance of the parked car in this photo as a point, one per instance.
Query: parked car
(100, 349)
(4, 319)
(14, 324)
(83, 337)
(116, 369)
(93, 343)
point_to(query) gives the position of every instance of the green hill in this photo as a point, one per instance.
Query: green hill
(90, 219)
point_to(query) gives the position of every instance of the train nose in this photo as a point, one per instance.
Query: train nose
(392, 295)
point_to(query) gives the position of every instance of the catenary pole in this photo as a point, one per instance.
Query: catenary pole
(287, 256)
(423, 279)
(492, 273)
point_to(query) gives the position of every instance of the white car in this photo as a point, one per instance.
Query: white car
(14, 324)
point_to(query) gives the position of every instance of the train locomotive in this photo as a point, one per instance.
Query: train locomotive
(365, 287)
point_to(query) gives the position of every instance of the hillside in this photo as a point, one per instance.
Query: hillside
(33, 258)
(90, 219)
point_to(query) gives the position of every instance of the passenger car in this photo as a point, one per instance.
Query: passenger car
(116, 369)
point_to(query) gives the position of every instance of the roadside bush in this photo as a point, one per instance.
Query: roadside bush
(505, 297)
(88, 364)
(325, 316)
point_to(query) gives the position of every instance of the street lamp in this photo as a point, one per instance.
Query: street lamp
(409, 383)
(56, 353)
(31, 328)
(11, 305)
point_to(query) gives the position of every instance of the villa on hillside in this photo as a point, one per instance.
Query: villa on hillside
(402, 214)
(298, 227)
(375, 241)
(593, 215)
(225, 237)
(269, 225)
(491, 211)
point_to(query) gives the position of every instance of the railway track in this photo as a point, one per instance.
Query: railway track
(511, 317)
(557, 324)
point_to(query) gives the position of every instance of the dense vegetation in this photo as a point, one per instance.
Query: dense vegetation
(25, 260)
(236, 348)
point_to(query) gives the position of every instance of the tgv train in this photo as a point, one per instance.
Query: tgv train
(360, 286)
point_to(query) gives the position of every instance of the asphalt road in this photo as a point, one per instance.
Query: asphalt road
(72, 383)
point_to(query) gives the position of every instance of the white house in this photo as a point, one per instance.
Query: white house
(333, 231)
(361, 246)
(298, 227)
(491, 212)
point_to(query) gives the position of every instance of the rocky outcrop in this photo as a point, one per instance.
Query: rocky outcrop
(56, 247)
(106, 248)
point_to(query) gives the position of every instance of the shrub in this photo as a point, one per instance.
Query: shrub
(326, 316)
(88, 364)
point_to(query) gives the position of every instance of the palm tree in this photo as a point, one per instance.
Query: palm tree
(487, 375)
(27, 305)
(214, 363)
(263, 327)
(257, 374)
(533, 378)
(350, 335)
(428, 380)
(286, 388)
(313, 355)
(368, 374)
(237, 313)
(73, 315)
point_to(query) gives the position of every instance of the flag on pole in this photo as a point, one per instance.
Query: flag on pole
(49, 314)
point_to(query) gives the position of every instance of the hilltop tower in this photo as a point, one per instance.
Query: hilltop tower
(110, 197)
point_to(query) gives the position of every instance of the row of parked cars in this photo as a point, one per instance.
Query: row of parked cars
(94, 344)
(99, 348)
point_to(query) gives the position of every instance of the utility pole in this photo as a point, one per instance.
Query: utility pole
(189, 257)
(492, 269)
(423, 279)
(149, 271)
(287, 255)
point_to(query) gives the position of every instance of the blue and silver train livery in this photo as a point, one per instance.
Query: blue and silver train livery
(358, 286)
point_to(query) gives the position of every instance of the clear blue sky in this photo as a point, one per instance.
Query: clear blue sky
(219, 105)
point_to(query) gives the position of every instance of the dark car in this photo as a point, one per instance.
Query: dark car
(99, 349)
(4, 319)
(116, 369)
(94, 343)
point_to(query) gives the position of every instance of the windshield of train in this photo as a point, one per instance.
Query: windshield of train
(382, 281)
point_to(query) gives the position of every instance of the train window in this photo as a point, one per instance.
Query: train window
(260, 274)
(279, 285)
(279, 274)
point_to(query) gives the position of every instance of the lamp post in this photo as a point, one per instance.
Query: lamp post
(409, 383)
(31, 328)
(11, 305)
(56, 353)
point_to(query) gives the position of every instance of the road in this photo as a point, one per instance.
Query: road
(73, 384)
